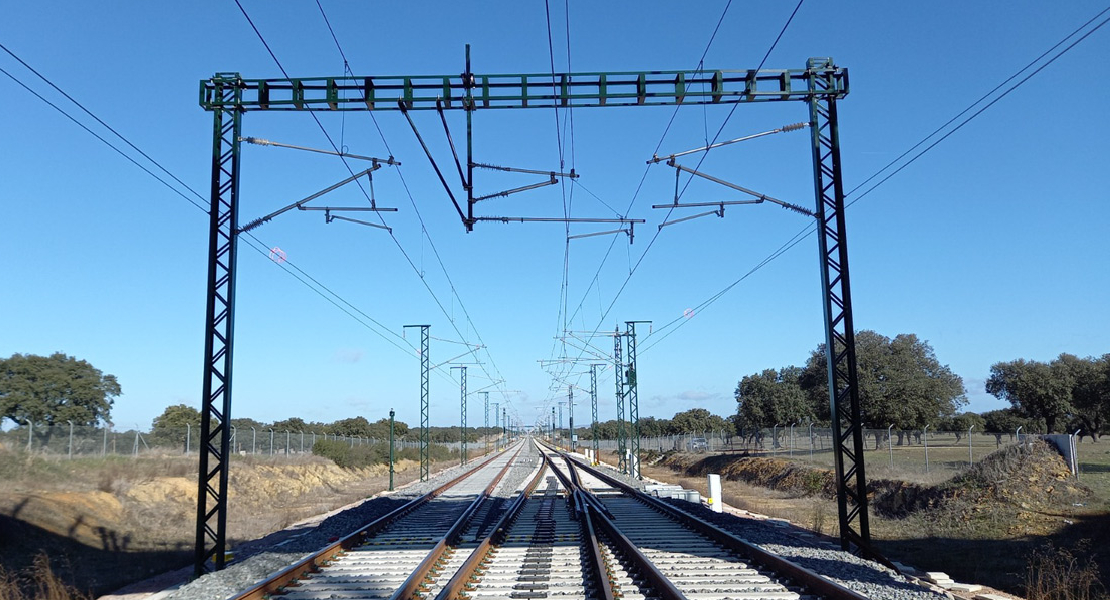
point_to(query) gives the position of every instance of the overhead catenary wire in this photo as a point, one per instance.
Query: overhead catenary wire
(424, 232)
(288, 266)
(811, 228)
(634, 267)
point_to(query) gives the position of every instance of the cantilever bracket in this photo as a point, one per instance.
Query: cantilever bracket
(553, 179)
(328, 218)
(759, 197)
(300, 203)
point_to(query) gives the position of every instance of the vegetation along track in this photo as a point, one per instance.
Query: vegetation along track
(570, 532)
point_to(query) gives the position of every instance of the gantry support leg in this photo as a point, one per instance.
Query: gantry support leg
(840, 343)
(219, 329)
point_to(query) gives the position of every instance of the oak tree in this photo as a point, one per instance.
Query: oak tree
(54, 389)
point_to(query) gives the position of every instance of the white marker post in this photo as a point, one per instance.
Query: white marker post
(715, 501)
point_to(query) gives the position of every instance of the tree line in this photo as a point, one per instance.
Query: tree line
(902, 384)
(175, 418)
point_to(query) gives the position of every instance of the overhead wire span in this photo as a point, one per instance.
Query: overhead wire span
(423, 230)
(289, 267)
(811, 228)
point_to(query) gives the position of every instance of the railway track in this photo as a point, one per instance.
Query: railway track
(609, 541)
(401, 553)
(569, 532)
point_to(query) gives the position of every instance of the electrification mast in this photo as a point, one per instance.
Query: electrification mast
(425, 458)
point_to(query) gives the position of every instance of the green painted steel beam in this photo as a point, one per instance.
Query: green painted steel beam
(534, 90)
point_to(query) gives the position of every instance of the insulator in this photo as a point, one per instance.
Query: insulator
(259, 141)
(794, 127)
(252, 225)
(798, 209)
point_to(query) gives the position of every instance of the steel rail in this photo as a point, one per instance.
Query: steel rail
(416, 579)
(315, 561)
(599, 568)
(647, 569)
(465, 577)
(801, 575)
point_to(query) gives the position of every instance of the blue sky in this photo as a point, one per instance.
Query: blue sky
(991, 246)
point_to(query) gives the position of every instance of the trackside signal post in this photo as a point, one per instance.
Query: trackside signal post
(229, 97)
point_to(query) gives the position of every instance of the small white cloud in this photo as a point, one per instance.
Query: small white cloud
(694, 395)
(348, 355)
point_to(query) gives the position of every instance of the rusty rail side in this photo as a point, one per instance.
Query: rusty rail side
(312, 563)
(416, 579)
(468, 573)
(799, 574)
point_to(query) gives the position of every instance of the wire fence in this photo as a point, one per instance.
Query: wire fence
(78, 441)
(887, 452)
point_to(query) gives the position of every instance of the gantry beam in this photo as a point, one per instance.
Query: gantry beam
(472, 91)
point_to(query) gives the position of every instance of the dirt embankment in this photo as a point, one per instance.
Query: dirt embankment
(1029, 479)
(105, 523)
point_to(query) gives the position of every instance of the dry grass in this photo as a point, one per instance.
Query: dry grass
(37, 583)
(1059, 574)
(123, 519)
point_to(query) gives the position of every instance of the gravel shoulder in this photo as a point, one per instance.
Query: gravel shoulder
(257, 559)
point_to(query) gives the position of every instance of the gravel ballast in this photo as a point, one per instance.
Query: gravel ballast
(865, 577)
(259, 559)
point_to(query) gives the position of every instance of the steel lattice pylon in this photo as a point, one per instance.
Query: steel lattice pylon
(462, 411)
(840, 344)
(593, 410)
(485, 410)
(618, 377)
(425, 347)
(215, 411)
(633, 400)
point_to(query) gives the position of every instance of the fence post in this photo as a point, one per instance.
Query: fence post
(811, 442)
(30, 432)
(302, 441)
(925, 435)
(271, 441)
(234, 440)
(104, 450)
(188, 437)
(775, 440)
(890, 445)
(313, 438)
(792, 439)
(287, 442)
(391, 449)
(135, 450)
(253, 436)
(970, 456)
(70, 438)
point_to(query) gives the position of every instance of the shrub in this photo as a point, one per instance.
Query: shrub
(1057, 574)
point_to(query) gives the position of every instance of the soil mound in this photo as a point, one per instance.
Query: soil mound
(1029, 478)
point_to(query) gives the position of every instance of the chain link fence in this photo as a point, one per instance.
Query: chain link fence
(892, 453)
(78, 441)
